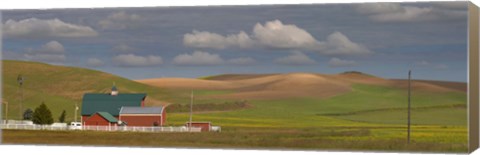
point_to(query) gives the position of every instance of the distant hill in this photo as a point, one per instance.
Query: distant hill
(274, 86)
(60, 87)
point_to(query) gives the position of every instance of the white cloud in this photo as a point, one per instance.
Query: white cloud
(123, 48)
(242, 61)
(39, 28)
(275, 34)
(296, 58)
(52, 51)
(336, 62)
(394, 12)
(52, 47)
(339, 44)
(198, 58)
(131, 60)
(204, 39)
(94, 62)
(120, 20)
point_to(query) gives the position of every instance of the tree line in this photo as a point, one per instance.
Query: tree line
(42, 115)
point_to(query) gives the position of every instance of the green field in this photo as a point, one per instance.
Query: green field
(61, 87)
(370, 117)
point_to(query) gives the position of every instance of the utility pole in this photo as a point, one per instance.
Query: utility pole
(191, 111)
(20, 83)
(75, 116)
(409, 91)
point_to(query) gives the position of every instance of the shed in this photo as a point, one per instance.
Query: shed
(143, 116)
(205, 126)
(101, 119)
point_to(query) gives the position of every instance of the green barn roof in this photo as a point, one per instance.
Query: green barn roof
(93, 103)
(108, 117)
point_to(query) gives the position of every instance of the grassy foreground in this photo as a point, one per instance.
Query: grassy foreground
(253, 138)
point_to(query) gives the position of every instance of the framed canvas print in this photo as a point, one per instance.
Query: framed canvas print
(381, 77)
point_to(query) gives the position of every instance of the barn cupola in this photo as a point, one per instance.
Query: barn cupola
(114, 90)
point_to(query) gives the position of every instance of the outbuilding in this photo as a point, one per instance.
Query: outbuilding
(205, 126)
(143, 116)
(101, 119)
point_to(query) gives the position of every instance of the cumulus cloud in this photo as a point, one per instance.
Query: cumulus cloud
(242, 61)
(120, 20)
(48, 28)
(204, 39)
(394, 12)
(131, 60)
(296, 58)
(275, 34)
(94, 62)
(336, 62)
(198, 58)
(339, 44)
(123, 48)
(52, 51)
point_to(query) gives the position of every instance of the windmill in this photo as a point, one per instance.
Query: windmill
(20, 80)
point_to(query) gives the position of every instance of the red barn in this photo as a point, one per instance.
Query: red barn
(101, 119)
(142, 116)
(205, 126)
(95, 107)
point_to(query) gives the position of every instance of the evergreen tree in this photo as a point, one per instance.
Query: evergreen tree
(28, 114)
(42, 115)
(61, 119)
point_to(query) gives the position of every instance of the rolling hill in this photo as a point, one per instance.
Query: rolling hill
(61, 87)
(275, 86)
(298, 99)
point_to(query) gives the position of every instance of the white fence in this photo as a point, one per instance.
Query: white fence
(141, 129)
(99, 128)
(31, 127)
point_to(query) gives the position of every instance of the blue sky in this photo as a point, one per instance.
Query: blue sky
(383, 39)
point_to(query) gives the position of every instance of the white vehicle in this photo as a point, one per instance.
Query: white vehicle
(216, 129)
(75, 126)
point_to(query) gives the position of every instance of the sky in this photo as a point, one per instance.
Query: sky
(382, 39)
